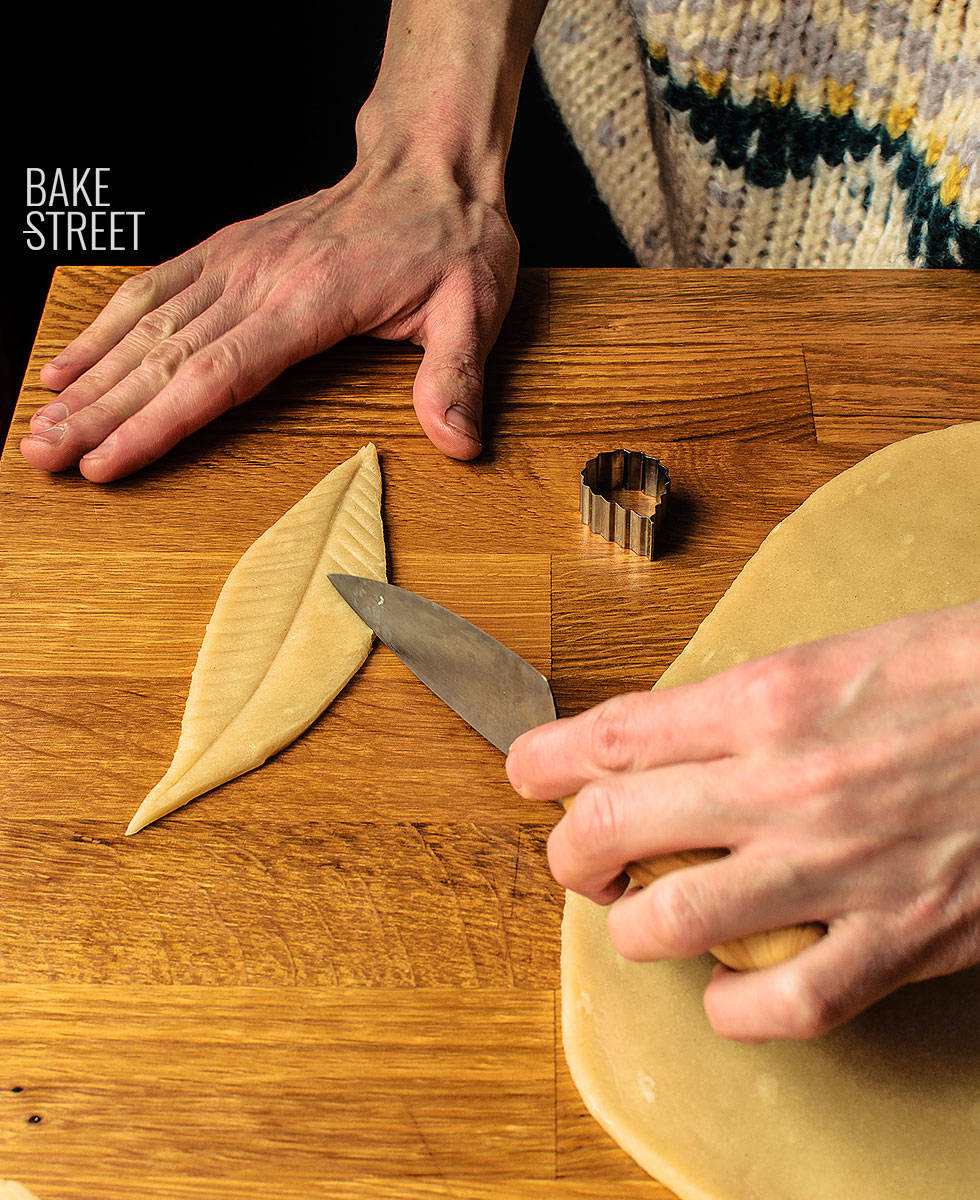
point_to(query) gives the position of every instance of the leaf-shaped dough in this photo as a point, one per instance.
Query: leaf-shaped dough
(281, 642)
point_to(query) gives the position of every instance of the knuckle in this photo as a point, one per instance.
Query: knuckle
(289, 225)
(819, 777)
(775, 687)
(936, 905)
(238, 292)
(166, 358)
(678, 924)
(267, 255)
(105, 409)
(804, 1010)
(593, 819)
(243, 278)
(217, 360)
(464, 363)
(609, 735)
(225, 358)
(158, 325)
(136, 287)
(286, 309)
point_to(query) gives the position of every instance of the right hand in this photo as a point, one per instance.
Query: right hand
(844, 777)
(398, 249)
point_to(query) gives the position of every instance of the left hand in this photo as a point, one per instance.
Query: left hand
(844, 777)
(397, 250)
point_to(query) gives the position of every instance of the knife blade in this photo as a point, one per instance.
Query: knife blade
(493, 689)
(502, 696)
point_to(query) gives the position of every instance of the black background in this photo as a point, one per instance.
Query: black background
(204, 119)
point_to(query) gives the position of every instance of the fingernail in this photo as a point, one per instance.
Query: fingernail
(515, 777)
(100, 451)
(59, 360)
(459, 419)
(49, 415)
(53, 435)
(513, 774)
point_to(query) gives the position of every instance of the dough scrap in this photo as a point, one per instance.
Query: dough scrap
(888, 1106)
(281, 642)
(9, 1190)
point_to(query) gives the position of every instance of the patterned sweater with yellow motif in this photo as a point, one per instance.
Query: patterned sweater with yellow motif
(777, 133)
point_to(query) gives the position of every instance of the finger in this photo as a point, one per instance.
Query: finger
(53, 447)
(132, 300)
(626, 818)
(693, 909)
(632, 732)
(448, 392)
(223, 374)
(171, 325)
(856, 964)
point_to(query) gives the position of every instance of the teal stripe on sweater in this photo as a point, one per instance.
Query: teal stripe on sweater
(789, 142)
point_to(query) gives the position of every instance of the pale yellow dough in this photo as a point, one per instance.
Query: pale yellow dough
(888, 1106)
(9, 1190)
(281, 642)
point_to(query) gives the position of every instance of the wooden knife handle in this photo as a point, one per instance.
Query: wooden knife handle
(744, 954)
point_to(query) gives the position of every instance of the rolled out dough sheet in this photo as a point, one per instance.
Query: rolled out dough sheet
(888, 1106)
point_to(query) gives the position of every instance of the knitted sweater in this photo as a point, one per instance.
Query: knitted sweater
(777, 133)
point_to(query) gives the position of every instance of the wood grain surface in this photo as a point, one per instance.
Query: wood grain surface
(337, 976)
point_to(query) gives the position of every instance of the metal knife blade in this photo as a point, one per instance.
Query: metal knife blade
(488, 685)
(502, 696)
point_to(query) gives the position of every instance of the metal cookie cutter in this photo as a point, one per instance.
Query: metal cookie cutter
(622, 496)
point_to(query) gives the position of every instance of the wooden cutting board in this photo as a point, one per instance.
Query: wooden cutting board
(336, 976)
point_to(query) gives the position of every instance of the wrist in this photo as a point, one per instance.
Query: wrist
(437, 143)
(447, 91)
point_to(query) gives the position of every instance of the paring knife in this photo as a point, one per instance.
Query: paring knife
(501, 696)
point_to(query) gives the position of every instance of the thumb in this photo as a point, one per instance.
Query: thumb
(448, 392)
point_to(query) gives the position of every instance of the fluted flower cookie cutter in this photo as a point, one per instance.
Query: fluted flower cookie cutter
(622, 497)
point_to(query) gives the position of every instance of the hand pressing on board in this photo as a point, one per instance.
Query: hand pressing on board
(844, 777)
(384, 253)
(413, 244)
